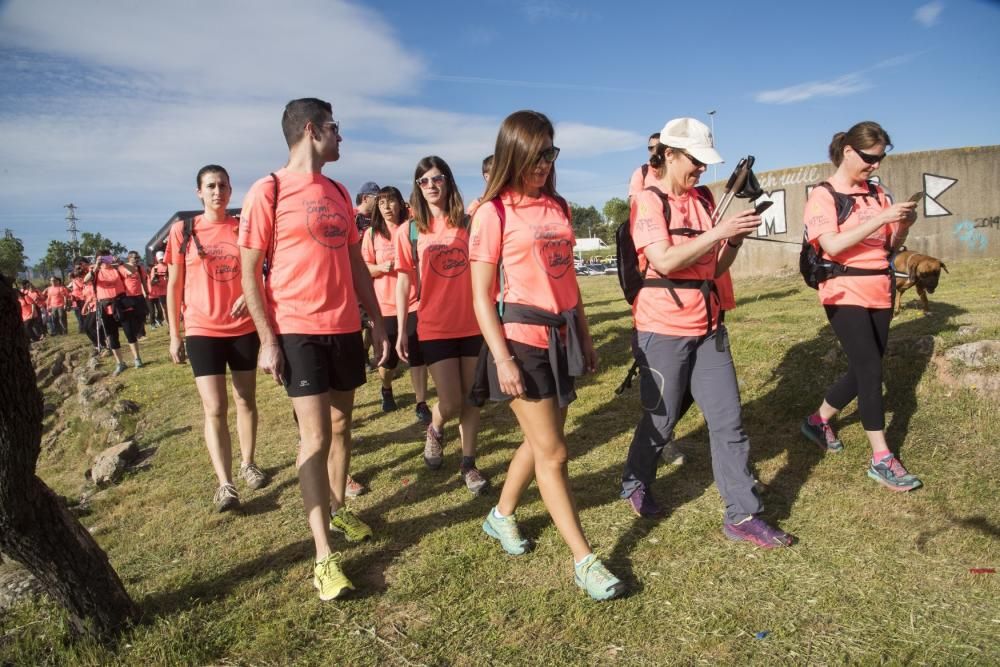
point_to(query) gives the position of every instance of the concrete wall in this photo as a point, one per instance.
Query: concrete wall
(959, 217)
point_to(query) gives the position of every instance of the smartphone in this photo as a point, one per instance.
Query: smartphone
(107, 259)
(916, 197)
(762, 206)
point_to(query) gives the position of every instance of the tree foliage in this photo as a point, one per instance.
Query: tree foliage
(616, 211)
(90, 243)
(586, 221)
(58, 258)
(12, 258)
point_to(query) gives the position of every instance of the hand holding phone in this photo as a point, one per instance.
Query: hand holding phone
(916, 197)
(762, 206)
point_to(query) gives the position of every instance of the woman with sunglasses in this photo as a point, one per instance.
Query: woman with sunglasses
(203, 285)
(432, 253)
(859, 307)
(679, 341)
(379, 254)
(522, 255)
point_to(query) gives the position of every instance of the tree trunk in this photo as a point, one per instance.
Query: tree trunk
(35, 526)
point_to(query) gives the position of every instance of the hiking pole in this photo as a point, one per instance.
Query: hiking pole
(742, 183)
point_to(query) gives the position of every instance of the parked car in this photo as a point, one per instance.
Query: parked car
(584, 271)
(611, 268)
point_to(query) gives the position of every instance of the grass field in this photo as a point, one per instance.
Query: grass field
(876, 577)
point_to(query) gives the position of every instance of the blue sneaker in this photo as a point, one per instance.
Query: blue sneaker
(600, 584)
(822, 434)
(890, 473)
(506, 531)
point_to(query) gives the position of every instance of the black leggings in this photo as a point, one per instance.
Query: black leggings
(863, 334)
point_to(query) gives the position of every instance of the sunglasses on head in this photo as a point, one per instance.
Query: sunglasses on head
(868, 158)
(425, 181)
(549, 154)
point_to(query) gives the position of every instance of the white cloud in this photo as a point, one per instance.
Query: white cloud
(115, 105)
(839, 87)
(928, 15)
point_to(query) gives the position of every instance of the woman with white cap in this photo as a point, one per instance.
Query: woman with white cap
(678, 340)
(157, 290)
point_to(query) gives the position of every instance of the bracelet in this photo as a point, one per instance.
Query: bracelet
(729, 242)
(510, 358)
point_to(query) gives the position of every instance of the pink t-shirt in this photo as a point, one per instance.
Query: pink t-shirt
(445, 309)
(655, 309)
(637, 183)
(159, 288)
(133, 281)
(820, 217)
(55, 296)
(377, 249)
(310, 289)
(537, 254)
(211, 283)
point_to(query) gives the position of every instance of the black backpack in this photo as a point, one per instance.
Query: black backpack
(630, 277)
(188, 235)
(815, 269)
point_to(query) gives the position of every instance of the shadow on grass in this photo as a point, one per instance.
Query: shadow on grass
(768, 296)
(166, 435)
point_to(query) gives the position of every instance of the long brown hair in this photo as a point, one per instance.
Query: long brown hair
(421, 211)
(863, 135)
(379, 225)
(519, 142)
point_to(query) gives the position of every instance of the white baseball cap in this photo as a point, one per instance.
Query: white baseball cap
(160, 255)
(693, 137)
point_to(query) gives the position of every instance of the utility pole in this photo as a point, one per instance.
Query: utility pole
(71, 228)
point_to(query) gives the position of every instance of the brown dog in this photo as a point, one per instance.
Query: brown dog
(922, 271)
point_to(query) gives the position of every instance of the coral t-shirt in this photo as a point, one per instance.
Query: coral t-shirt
(110, 282)
(25, 302)
(36, 297)
(212, 282)
(637, 183)
(89, 303)
(445, 309)
(162, 273)
(310, 289)
(133, 281)
(655, 309)
(55, 296)
(820, 217)
(377, 249)
(76, 287)
(537, 255)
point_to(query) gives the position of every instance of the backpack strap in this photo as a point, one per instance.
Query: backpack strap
(414, 234)
(501, 275)
(188, 236)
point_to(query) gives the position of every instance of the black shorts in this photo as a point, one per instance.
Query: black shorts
(210, 355)
(537, 373)
(317, 363)
(434, 351)
(413, 346)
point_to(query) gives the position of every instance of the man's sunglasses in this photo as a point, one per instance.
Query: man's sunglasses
(334, 125)
(549, 154)
(425, 181)
(868, 158)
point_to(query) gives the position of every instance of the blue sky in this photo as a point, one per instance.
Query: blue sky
(115, 105)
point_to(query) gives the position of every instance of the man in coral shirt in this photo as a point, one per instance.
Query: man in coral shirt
(56, 296)
(157, 290)
(306, 312)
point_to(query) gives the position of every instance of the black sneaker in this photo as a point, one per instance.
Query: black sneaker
(423, 413)
(388, 401)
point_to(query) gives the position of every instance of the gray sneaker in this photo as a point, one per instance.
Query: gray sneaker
(474, 480)
(226, 498)
(254, 476)
(434, 448)
(119, 369)
(138, 363)
(671, 455)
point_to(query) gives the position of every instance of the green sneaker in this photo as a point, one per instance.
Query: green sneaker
(593, 577)
(353, 528)
(329, 579)
(505, 529)
(890, 473)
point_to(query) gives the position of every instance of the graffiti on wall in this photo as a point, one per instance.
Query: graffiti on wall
(992, 222)
(969, 236)
(934, 187)
(773, 220)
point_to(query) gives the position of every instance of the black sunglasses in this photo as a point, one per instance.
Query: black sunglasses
(697, 163)
(868, 158)
(549, 154)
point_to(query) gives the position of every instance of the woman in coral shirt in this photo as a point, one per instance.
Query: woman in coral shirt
(446, 323)
(204, 285)
(679, 341)
(859, 307)
(542, 341)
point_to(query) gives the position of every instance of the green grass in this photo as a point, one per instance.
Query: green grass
(876, 577)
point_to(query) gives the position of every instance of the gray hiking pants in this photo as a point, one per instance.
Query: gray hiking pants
(669, 365)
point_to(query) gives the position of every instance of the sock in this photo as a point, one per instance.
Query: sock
(816, 420)
(422, 403)
(496, 513)
(878, 457)
(468, 462)
(387, 391)
(578, 563)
